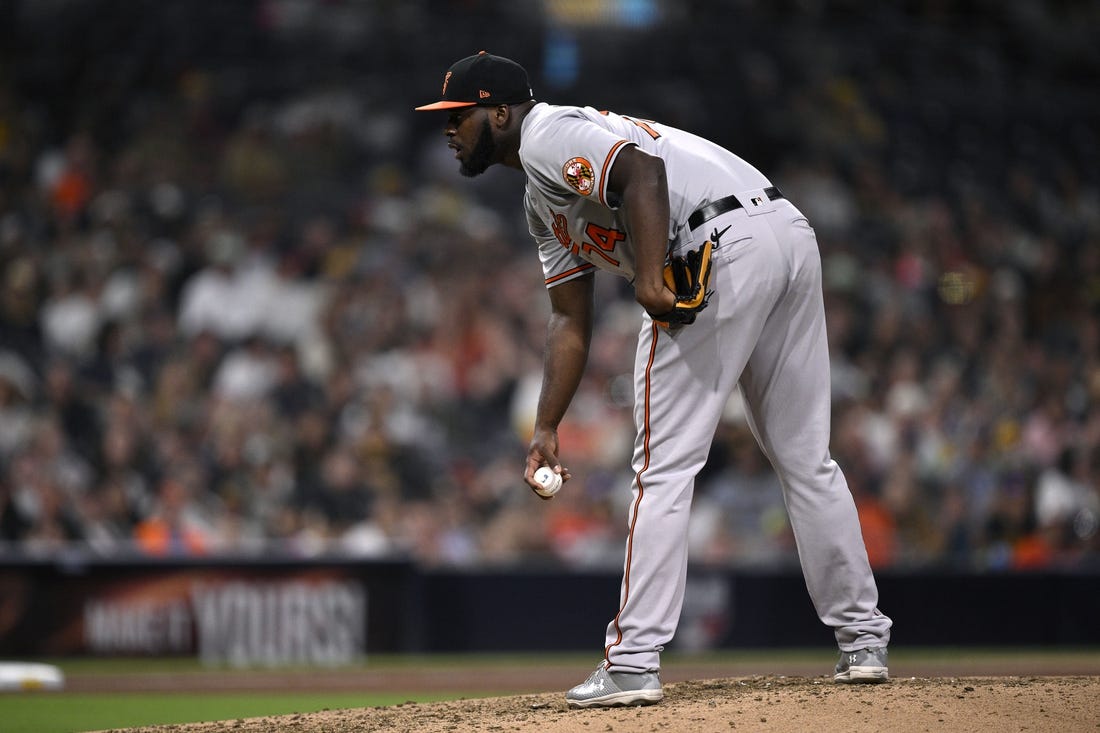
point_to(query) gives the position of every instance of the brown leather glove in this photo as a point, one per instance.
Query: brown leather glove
(687, 276)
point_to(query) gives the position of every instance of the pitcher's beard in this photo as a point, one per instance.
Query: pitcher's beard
(481, 157)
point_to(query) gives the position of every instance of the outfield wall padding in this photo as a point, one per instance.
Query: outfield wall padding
(247, 612)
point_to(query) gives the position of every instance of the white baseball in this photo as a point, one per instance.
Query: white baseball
(548, 480)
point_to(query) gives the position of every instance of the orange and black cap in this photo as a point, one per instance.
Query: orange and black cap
(483, 79)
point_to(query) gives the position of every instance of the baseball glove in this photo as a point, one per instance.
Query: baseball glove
(687, 276)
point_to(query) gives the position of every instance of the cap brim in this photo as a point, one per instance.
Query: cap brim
(444, 105)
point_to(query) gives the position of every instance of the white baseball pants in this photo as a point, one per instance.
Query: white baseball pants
(763, 331)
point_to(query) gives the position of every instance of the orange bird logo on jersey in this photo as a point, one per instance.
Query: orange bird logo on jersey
(579, 175)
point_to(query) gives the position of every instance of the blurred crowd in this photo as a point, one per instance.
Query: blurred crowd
(271, 319)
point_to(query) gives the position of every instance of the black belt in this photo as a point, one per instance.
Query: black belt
(721, 206)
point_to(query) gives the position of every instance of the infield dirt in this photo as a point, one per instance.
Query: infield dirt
(758, 703)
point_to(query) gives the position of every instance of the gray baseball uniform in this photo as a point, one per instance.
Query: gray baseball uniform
(763, 332)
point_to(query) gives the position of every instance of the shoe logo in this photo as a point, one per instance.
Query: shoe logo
(851, 659)
(757, 201)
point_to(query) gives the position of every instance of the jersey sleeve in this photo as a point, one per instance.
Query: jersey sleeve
(573, 156)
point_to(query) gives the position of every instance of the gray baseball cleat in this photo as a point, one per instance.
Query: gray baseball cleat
(605, 689)
(862, 665)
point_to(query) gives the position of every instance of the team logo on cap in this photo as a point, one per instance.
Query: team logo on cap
(446, 80)
(579, 175)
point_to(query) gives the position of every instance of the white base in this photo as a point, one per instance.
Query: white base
(30, 676)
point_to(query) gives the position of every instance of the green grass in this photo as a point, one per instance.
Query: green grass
(70, 712)
(60, 712)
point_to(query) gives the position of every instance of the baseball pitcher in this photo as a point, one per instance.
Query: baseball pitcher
(728, 275)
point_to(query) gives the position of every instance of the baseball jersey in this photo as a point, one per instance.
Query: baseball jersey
(567, 154)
